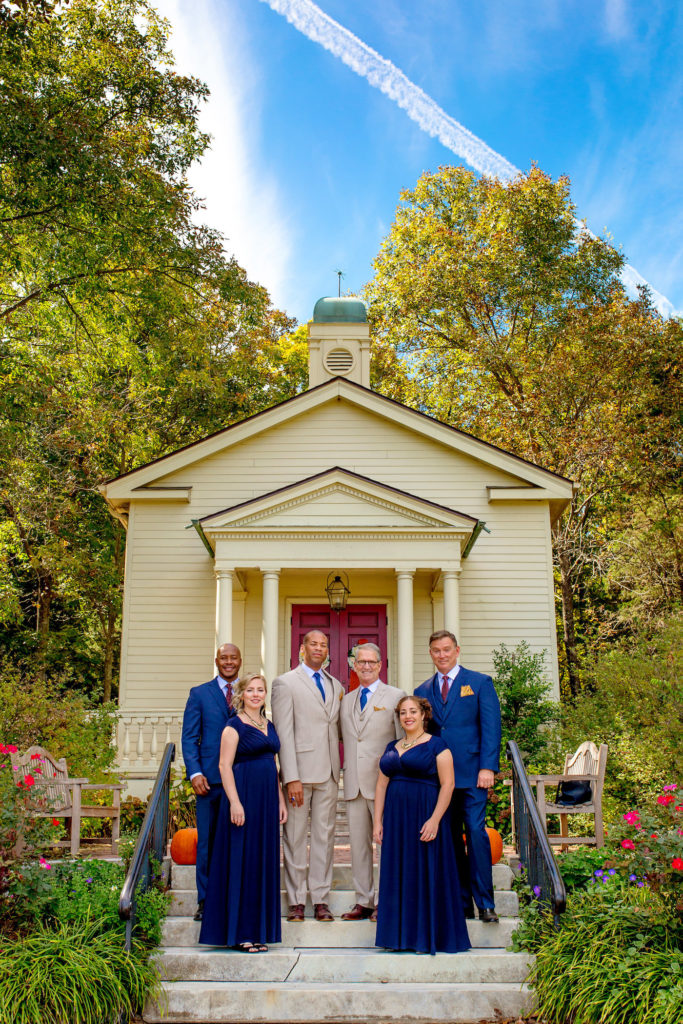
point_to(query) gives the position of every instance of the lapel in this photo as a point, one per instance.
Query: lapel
(217, 695)
(310, 684)
(442, 712)
(362, 718)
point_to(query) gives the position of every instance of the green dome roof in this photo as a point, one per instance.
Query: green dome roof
(344, 310)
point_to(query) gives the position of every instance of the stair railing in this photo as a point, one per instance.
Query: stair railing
(535, 853)
(150, 847)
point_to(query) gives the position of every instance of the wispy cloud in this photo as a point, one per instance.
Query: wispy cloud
(242, 199)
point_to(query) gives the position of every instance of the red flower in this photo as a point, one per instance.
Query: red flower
(667, 798)
(55, 821)
(679, 807)
(677, 863)
(628, 844)
(653, 836)
(3, 748)
(10, 749)
(29, 781)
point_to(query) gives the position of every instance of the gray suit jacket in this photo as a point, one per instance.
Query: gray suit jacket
(366, 736)
(308, 729)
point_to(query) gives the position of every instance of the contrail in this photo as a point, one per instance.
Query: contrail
(385, 76)
(312, 22)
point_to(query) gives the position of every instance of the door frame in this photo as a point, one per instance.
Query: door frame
(289, 602)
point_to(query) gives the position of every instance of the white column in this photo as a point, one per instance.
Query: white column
(451, 601)
(269, 620)
(223, 606)
(404, 623)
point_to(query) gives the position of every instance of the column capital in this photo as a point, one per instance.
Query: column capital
(405, 573)
(223, 573)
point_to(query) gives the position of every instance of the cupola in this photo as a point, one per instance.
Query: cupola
(339, 341)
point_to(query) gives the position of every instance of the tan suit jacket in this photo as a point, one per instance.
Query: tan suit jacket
(365, 737)
(308, 730)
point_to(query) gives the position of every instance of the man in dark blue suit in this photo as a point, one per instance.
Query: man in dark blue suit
(466, 714)
(207, 712)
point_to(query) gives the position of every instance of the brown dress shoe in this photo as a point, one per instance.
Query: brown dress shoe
(373, 915)
(296, 912)
(321, 912)
(357, 913)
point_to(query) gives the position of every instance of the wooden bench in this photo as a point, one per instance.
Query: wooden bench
(66, 795)
(585, 764)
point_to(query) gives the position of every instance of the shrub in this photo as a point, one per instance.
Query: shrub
(523, 691)
(616, 959)
(578, 866)
(77, 973)
(182, 805)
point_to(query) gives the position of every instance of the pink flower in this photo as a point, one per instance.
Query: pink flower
(677, 863)
(44, 864)
(670, 788)
(668, 799)
(680, 831)
(628, 844)
(631, 817)
(11, 749)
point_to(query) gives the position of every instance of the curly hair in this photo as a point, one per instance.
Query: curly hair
(240, 686)
(422, 702)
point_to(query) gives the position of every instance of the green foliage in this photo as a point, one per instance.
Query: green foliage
(499, 805)
(523, 691)
(578, 866)
(35, 712)
(23, 835)
(633, 701)
(616, 959)
(76, 973)
(182, 805)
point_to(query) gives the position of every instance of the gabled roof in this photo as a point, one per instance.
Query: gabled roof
(139, 483)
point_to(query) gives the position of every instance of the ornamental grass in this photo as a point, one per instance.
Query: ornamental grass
(73, 975)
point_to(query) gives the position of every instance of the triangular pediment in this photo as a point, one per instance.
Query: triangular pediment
(154, 481)
(338, 500)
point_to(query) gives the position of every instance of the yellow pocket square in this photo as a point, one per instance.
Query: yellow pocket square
(375, 708)
(466, 691)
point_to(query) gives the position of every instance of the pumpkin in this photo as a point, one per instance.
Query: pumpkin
(184, 846)
(496, 841)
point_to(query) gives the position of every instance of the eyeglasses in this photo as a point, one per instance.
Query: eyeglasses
(366, 663)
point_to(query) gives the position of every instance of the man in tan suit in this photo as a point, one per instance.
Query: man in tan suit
(368, 722)
(306, 703)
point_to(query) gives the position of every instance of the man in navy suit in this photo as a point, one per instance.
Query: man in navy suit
(207, 712)
(466, 714)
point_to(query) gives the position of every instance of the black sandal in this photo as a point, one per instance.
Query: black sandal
(246, 947)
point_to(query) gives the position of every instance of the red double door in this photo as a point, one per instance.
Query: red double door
(359, 623)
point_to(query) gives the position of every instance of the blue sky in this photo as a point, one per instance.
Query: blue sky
(308, 158)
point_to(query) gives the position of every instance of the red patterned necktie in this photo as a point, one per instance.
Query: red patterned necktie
(228, 695)
(444, 688)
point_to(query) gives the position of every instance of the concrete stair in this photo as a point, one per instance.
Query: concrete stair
(332, 971)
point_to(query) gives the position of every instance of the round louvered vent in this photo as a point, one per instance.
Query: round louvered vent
(339, 361)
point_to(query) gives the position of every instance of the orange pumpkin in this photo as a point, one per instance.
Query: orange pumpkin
(496, 841)
(184, 846)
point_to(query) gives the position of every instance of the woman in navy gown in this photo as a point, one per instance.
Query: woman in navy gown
(242, 906)
(419, 906)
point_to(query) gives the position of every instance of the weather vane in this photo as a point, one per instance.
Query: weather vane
(340, 274)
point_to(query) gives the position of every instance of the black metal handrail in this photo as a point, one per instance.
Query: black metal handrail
(151, 842)
(534, 850)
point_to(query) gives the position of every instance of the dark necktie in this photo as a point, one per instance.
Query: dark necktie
(444, 688)
(228, 695)
(319, 684)
(364, 697)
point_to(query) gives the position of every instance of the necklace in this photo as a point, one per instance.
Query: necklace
(405, 745)
(262, 726)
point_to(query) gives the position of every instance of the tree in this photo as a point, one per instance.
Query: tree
(512, 323)
(126, 329)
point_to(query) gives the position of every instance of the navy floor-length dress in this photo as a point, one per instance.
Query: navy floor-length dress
(243, 891)
(419, 906)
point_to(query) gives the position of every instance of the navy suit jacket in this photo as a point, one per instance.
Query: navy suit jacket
(206, 715)
(468, 724)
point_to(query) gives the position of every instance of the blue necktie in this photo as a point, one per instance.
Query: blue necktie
(364, 697)
(319, 684)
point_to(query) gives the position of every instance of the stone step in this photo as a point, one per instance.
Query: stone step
(207, 1002)
(183, 931)
(183, 876)
(342, 966)
(184, 903)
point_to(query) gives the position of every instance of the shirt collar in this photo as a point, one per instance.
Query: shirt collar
(223, 683)
(450, 675)
(372, 687)
(310, 671)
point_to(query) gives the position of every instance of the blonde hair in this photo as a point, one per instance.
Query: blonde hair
(240, 686)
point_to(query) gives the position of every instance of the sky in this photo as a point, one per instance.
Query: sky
(308, 156)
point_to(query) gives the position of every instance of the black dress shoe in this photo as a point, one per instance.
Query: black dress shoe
(469, 915)
(199, 912)
(488, 915)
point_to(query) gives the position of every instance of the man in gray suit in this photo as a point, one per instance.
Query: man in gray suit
(368, 723)
(305, 704)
